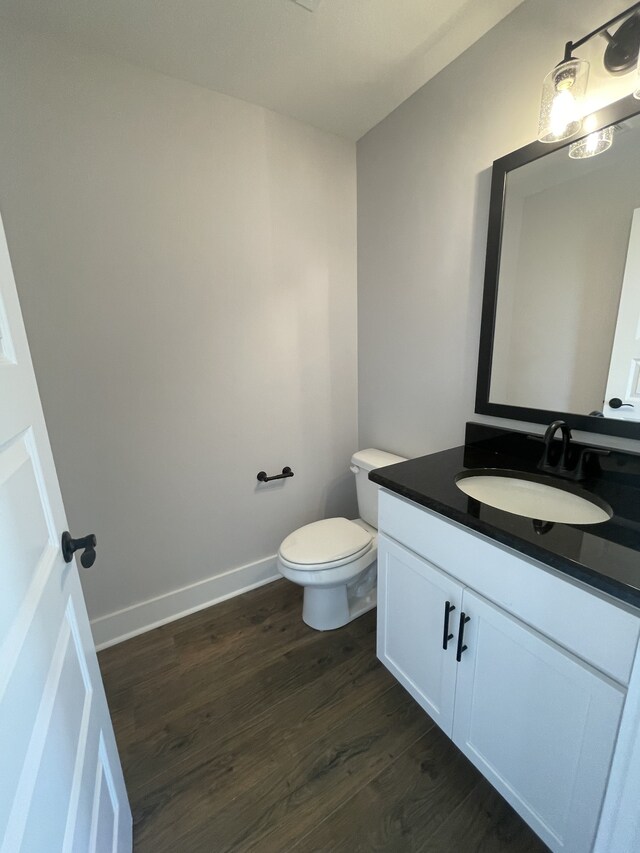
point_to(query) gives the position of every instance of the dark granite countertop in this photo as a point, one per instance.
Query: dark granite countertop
(605, 556)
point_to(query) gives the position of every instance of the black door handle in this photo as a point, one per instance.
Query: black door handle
(446, 636)
(616, 403)
(463, 621)
(70, 546)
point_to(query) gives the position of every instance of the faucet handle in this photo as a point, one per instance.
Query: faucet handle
(592, 451)
(583, 455)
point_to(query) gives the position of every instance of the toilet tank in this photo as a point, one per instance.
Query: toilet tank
(361, 463)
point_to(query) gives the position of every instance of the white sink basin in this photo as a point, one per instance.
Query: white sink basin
(513, 492)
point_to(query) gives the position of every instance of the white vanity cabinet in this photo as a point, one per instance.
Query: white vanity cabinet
(412, 598)
(526, 705)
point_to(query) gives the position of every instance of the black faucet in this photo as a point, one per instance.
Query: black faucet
(570, 461)
(561, 463)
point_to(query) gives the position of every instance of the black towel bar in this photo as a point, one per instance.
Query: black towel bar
(286, 472)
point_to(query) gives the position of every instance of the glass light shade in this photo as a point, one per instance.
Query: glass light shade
(594, 143)
(561, 106)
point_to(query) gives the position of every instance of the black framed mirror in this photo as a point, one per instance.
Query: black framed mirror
(560, 330)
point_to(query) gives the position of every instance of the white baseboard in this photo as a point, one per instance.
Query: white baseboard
(123, 624)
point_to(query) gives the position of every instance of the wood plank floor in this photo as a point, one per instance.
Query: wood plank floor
(241, 729)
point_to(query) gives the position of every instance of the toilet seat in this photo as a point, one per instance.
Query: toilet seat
(325, 544)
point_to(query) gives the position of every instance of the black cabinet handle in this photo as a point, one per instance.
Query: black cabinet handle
(69, 546)
(446, 636)
(463, 621)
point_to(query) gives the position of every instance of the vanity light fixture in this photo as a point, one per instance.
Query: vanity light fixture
(564, 87)
(592, 144)
(562, 93)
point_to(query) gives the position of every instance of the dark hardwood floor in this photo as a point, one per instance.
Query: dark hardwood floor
(241, 729)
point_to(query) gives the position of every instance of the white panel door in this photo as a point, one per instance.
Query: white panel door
(412, 597)
(623, 380)
(61, 785)
(538, 723)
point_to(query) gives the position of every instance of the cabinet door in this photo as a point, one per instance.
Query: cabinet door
(412, 595)
(537, 722)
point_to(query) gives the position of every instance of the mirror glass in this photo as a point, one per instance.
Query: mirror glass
(567, 321)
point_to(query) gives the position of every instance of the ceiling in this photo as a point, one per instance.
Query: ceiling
(342, 67)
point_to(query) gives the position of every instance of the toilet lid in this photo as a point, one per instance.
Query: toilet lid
(325, 542)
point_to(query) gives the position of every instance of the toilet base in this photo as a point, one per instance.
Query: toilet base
(328, 608)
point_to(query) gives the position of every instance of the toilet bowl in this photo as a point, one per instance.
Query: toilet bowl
(335, 560)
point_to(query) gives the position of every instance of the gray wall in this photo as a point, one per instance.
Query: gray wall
(423, 200)
(187, 272)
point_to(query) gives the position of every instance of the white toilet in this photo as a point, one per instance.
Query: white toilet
(335, 560)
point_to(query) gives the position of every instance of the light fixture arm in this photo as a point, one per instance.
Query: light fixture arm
(602, 30)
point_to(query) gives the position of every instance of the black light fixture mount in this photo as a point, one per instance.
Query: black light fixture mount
(621, 53)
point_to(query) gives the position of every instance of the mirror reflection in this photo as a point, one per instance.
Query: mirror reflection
(567, 328)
